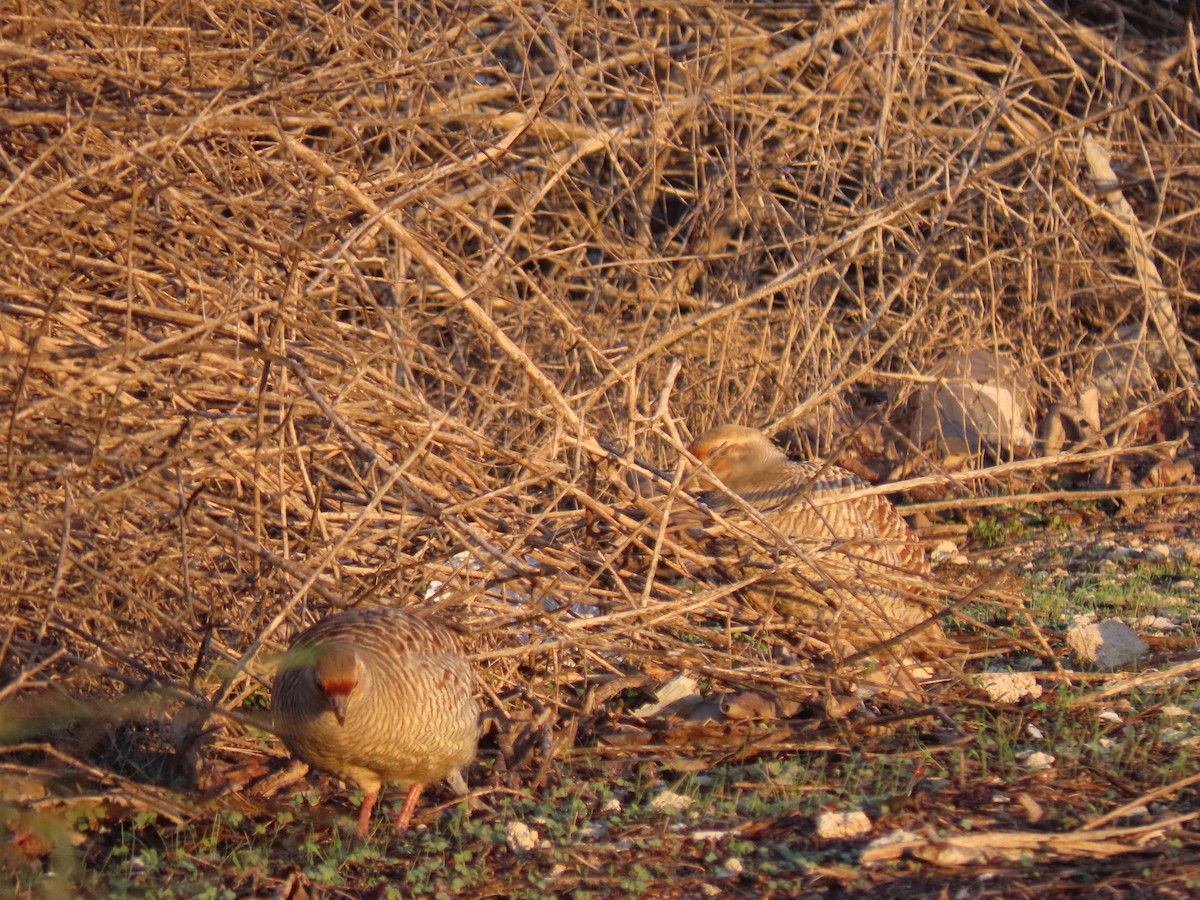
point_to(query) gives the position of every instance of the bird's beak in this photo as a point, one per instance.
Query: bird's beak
(339, 704)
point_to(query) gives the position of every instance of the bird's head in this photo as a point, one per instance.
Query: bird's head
(338, 672)
(735, 455)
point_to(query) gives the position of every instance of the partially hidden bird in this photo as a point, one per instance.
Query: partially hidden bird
(375, 695)
(858, 574)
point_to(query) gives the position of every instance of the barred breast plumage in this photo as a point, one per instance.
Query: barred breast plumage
(375, 695)
(859, 550)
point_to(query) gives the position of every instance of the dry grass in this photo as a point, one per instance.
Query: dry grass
(306, 304)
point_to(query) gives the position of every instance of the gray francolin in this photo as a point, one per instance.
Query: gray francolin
(375, 695)
(859, 571)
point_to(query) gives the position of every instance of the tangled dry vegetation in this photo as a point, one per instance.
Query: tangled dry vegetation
(305, 304)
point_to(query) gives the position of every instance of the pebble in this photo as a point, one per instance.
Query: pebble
(878, 849)
(520, 837)
(850, 823)
(1123, 553)
(711, 834)
(1036, 760)
(943, 550)
(670, 801)
(1109, 644)
(1009, 687)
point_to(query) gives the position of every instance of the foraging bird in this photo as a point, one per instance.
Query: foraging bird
(374, 695)
(858, 551)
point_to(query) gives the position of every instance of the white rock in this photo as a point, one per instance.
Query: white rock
(1108, 645)
(943, 550)
(1137, 812)
(611, 807)
(979, 401)
(1124, 553)
(1159, 552)
(520, 837)
(1108, 716)
(670, 801)
(1036, 760)
(710, 890)
(1009, 687)
(890, 845)
(711, 834)
(1033, 731)
(734, 866)
(1173, 711)
(1157, 623)
(679, 688)
(849, 823)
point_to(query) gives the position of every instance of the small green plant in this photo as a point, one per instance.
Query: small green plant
(1000, 527)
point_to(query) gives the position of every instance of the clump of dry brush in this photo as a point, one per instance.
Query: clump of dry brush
(305, 304)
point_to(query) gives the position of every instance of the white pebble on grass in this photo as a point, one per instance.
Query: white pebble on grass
(670, 801)
(1009, 687)
(1109, 644)
(713, 834)
(844, 824)
(943, 550)
(878, 849)
(520, 837)
(1036, 760)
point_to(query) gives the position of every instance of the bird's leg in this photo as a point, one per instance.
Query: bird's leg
(406, 811)
(364, 815)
